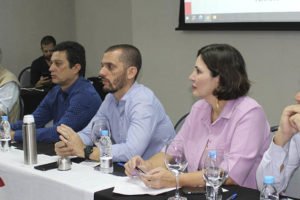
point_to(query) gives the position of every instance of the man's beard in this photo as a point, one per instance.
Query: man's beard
(119, 83)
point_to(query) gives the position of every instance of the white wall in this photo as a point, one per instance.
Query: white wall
(24, 23)
(272, 58)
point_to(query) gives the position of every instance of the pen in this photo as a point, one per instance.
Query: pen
(138, 169)
(232, 197)
(120, 164)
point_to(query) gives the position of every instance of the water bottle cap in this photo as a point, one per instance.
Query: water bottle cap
(269, 179)
(104, 132)
(212, 154)
(4, 118)
(28, 119)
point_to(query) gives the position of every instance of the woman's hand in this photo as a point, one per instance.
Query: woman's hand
(137, 161)
(159, 178)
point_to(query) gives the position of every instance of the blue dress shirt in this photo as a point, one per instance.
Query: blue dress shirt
(138, 123)
(74, 107)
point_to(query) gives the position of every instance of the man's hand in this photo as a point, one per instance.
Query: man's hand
(295, 121)
(289, 125)
(70, 144)
(43, 81)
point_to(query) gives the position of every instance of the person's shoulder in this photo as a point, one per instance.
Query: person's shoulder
(85, 89)
(246, 102)
(54, 89)
(199, 105)
(37, 61)
(246, 105)
(141, 92)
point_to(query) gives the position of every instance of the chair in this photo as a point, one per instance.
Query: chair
(21, 108)
(180, 122)
(24, 77)
(97, 83)
(292, 189)
(274, 128)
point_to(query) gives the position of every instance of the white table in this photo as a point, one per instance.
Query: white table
(26, 183)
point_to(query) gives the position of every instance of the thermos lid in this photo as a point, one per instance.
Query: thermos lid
(28, 119)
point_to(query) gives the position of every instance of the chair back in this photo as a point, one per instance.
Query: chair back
(97, 83)
(180, 122)
(24, 77)
(292, 189)
(21, 108)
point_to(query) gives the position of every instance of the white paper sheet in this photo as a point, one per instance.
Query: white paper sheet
(135, 186)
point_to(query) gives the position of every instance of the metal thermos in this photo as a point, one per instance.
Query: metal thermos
(29, 140)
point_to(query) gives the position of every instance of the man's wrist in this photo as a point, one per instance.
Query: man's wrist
(12, 135)
(280, 139)
(88, 150)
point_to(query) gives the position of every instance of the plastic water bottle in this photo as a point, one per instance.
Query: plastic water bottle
(269, 192)
(209, 189)
(5, 134)
(106, 165)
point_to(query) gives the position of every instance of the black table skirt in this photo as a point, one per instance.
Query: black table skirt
(243, 194)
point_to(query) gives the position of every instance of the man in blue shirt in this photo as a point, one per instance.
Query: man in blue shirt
(73, 101)
(138, 122)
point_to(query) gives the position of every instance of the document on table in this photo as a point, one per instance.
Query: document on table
(135, 186)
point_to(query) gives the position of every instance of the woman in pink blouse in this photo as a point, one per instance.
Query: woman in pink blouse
(225, 118)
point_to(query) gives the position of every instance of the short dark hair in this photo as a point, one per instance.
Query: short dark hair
(48, 39)
(75, 54)
(131, 56)
(226, 62)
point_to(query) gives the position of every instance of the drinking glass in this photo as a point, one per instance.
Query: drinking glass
(176, 162)
(215, 169)
(97, 127)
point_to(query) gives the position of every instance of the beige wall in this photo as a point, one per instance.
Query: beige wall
(100, 24)
(168, 55)
(24, 23)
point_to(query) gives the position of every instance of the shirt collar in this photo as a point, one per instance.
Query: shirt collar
(226, 112)
(127, 94)
(73, 86)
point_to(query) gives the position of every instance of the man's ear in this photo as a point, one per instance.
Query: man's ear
(131, 72)
(76, 68)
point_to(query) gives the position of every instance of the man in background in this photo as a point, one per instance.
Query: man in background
(138, 122)
(9, 94)
(73, 101)
(40, 75)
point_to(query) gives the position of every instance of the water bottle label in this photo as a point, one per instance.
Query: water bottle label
(5, 144)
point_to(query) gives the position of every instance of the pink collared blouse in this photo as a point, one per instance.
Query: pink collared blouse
(241, 129)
